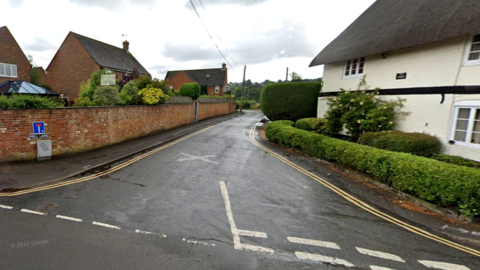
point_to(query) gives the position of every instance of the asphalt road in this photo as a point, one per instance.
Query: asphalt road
(213, 201)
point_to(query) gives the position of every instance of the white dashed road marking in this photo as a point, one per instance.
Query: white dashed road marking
(379, 254)
(443, 266)
(311, 242)
(252, 233)
(321, 258)
(69, 218)
(106, 225)
(237, 244)
(144, 232)
(373, 267)
(5, 207)
(33, 212)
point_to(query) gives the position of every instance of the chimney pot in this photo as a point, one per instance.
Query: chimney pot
(125, 45)
(224, 66)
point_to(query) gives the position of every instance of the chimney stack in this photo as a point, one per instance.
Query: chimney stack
(125, 45)
(224, 66)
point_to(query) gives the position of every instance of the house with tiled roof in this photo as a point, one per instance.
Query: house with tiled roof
(14, 65)
(214, 78)
(79, 56)
(424, 51)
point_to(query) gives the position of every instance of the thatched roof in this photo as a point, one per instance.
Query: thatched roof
(390, 25)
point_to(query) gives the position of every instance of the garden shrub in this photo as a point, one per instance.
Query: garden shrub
(152, 96)
(247, 104)
(419, 144)
(129, 92)
(190, 90)
(461, 161)
(316, 125)
(444, 184)
(25, 102)
(291, 101)
(107, 95)
(4, 102)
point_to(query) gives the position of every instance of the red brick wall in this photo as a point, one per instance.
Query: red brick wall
(179, 79)
(11, 53)
(79, 129)
(70, 66)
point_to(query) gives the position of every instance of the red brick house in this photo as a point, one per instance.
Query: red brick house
(79, 56)
(214, 78)
(14, 65)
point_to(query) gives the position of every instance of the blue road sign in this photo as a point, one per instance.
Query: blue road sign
(38, 127)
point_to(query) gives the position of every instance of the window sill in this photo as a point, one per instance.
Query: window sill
(470, 145)
(471, 63)
(2, 76)
(353, 76)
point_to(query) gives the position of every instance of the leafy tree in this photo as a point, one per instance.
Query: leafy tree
(254, 94)
(106, 95)
(248, 83)
(35, 76)
(87, 88)
(296, 77)
(129, 92)
(203, 89)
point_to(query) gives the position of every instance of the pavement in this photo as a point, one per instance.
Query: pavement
(23, 175)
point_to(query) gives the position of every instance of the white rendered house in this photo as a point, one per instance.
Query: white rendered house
(424, 51)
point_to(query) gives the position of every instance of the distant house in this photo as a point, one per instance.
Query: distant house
(214, 78)
(425, 51)
(14, 65)
(79, 56)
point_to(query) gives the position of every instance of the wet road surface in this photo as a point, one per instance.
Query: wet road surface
(212, 201)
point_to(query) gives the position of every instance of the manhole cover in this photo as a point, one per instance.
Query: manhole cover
(45, 208)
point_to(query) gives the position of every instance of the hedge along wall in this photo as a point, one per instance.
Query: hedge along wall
(79, 129)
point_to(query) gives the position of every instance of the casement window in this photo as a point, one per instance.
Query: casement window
(354, 68)
(472, 52)
(8, 70)
(217, 89)
(466, 124)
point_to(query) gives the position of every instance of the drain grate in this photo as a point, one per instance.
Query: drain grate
(47, 207)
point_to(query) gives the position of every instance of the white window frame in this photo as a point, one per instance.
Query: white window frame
(468, 50)
(474, 106)
(3, 73)
(217, 89)
(354, 65)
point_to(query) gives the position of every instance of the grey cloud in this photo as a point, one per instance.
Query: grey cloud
(189, 52)
(161, 69)
(39, 45)
(115, 4)
(291, 40)
(16, 3)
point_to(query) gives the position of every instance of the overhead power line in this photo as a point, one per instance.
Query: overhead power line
(208, 32)
(219, 38)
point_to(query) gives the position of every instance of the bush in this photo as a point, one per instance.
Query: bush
(87, 88)
(247, 104)
(290, 101)
(129, 92)
(107, 96)
(190, 90)
(431, 180)
(25, 102)
(316, 125)
(460, 161)
(413, 143)
(152, 96)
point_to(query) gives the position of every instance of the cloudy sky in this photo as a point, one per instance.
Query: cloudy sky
(265, 35)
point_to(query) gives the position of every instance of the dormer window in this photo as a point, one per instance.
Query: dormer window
(208, 75)
(8, 70)
(472, 53)
(354, 68)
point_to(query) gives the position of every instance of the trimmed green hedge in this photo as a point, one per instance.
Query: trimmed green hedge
(419, 144)
(316, 125)
(190, 90)
(431, 180)
(460, 161)
(291, 101)
(25, 102)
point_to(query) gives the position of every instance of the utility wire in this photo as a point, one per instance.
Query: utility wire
(208, 32)
(221, 41)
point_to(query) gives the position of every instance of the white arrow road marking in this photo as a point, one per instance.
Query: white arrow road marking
(33, 212)
(236, 233)
(443, 266)
(379, 254)
(321, 258)
(203, 158)
(373, 267)
(311, 242)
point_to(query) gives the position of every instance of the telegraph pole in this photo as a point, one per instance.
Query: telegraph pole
(286, 77)
(243, 87)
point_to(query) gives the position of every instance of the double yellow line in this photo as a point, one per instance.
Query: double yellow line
(364, 205)
(100, 174)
